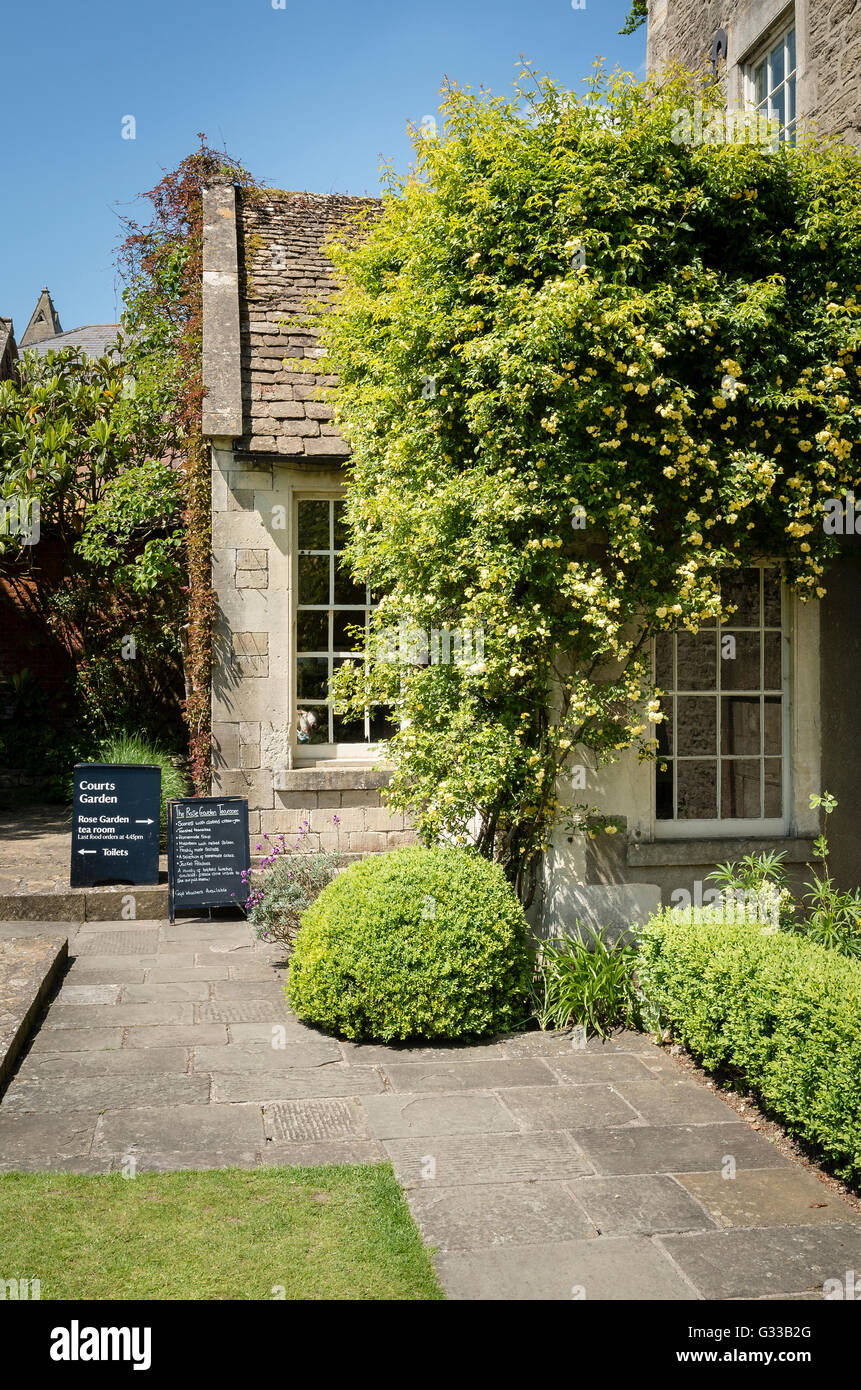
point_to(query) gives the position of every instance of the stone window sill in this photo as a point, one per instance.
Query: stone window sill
(656, 853)
(329, 778)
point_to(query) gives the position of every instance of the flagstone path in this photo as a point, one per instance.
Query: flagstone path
(536, 1169)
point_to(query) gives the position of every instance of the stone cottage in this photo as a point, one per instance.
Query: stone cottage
(284, 600)
(747, 749)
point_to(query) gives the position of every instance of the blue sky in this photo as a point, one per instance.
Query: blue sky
(310, 95)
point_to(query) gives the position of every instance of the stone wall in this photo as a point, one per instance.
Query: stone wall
(828, 39)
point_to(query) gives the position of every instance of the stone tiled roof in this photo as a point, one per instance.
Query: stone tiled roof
(281, 237)
(94, 338)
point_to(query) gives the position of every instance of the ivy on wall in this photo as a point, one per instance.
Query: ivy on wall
(162, 263)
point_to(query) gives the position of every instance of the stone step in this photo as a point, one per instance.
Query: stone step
(29, 967)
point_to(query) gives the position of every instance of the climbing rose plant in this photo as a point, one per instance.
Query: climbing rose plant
(583, 368)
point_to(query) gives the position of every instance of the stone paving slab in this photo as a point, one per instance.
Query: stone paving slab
(458, 1159)
(569, 1107)
(136, 942)
(295, 1083)
(581, 1067)
(676, 1148)
(57, 1095)
(175, 992)
(76, 1040)
(43, 1140)
(226, 1129)
(669, 1102)
(404, 1116)
(627, 1267)
(166, 1035)
(315, 1121)
(789, 1197)
(332, 1151)
(262, 1056)
(124, 1015)
(469, 1217)
(114, 1061)
(641, 1205)
(774, 1260)
(468, 1076)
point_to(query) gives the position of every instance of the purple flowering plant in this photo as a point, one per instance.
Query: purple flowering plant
(285, 882)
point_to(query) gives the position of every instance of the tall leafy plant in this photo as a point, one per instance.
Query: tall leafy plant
(584, 368)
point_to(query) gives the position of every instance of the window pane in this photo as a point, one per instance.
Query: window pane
(739, 726)
(346, 589)
(773, 788)
(664, 660)
(777, 70)
(773, 715)
(771, 663)
(342, 641)
(312, 677)
(664, 730)
(664, 790)
(790, 50)
(381, 724)
(739, 789)
(697, 790)
(771, 597)
(740, 589)
(313, 724)
(778, 105)
(759, 83)
(741, 671)
(313, 525)
(314, 579)
(697, 731)
(790, 101)
(340, 525)
(696, 661)
(312, 631)
(348, 729)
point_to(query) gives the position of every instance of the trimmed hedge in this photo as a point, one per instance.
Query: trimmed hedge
(782, 1010)
(419, 943)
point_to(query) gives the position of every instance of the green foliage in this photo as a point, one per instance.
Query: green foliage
(133, 749)
(38, 733)
(637, 15)
(775, 1010)
(285, 884)
(74, 436)
(833, 917)
(563, 307)
(589, 981)
(758, 881)
(425, 943)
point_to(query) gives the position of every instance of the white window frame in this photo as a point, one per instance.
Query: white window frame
(305, 754)
(737, 827)
(763, 54)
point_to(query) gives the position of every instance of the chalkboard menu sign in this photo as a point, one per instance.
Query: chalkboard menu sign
(207, 851)
(115, 824)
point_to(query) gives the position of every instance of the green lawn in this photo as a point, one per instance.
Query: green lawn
(299, 1233)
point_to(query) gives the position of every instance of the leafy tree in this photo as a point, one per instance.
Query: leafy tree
(72, 436)
(584, 366)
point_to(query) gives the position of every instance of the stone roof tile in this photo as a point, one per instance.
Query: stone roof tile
(282, 236)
